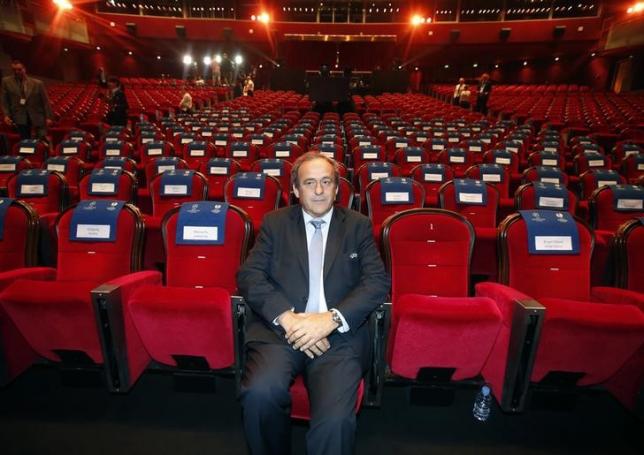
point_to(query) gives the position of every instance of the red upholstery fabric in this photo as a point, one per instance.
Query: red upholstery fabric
(630, 260)
(434, 323)
(345, 194)
(51, 202)
(18, 243)
(602, 214)
(193, 265)
(449, 332)
(379, 212)
(284, 178)
(17, 353)
(478, 215)
(184, 321)
(524, 198)
(126, 192)
(163, 204)
(618, 296)
(484, 258)
(54, 315)
(256, 208)
(599, 339)
(358, 159)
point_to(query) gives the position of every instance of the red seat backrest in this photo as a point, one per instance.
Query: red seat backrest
(19, 236)
(478, 215)
(162, 204)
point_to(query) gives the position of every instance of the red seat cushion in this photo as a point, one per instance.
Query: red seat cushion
(185, 321)
(54, 315)
(448, 332)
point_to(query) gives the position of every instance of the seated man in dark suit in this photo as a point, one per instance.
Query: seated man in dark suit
(117, 109)
(311, 282)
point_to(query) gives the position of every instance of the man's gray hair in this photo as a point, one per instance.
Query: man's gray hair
(309, 156)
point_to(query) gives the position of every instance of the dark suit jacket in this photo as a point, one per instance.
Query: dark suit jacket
(487, 88)
(36, 108)
(275, 276)
(117, 110)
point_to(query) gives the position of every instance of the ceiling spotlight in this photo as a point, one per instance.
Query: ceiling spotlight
(129, 52)
(112, 24)
(417, 20)
(158, 57)
(218, 58)
(556, 59)
(65, 49)
(446, 66)
(207, 60)
(525, 63)
(63, 4)
(187, 59)
(98, 48)
(496, 66)
(593, 54)
(261, 66)
(475, 65)
(238, 59)
(264, 18)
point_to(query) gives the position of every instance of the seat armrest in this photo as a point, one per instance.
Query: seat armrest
(618, 296)
(379, 322)
(504, 296)
(124, 355)
(26, 273)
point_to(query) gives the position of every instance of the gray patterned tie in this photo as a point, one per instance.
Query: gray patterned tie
(315, 267)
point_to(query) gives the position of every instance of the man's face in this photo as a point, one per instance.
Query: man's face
(317, 187)
(461, 81)
(19, 70)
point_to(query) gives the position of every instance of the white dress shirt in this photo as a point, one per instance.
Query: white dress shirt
(310, 230)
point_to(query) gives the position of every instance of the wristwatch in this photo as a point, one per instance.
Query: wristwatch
(335, 316)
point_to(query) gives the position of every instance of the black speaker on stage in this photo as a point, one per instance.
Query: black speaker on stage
(131, 28)
(454, 34)
(558, 31)
(181, 31)
(504, 33)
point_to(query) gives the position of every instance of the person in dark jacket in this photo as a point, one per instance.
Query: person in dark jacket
(117, 111)
(484, 89)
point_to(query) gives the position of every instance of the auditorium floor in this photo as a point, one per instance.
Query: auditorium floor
(40, 416)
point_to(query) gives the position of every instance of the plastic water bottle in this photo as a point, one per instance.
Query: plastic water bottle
(482, 403)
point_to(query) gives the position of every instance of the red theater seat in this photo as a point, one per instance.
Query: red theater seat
(629, 260)
(50, 310)
(190, 323)
(19, 235)
(254, 207)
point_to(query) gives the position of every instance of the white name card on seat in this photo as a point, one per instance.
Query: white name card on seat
(438, 147)
(640, 166)
(475, 148)
(201, 233)
(328, 142)
(552, 243)
(257, 141)
(218, 170)
(111, 139)
(414, 159)
(502, 160)
(195, 128)
(168, 167)
(69, 150)
(93, 231)
(176, 189)
(362, 143)
(595, 163)
(145, 140)
(240, 153)
(154, 152)
(103, 188)
(282, 153)
(401, 144)
(238, 135)
(456, 159)
(547, 162)
(27, 150)
(112, 152)
(512, 149)
(379, 175)
(56, 167)
(112, 167)
(186, 140)
(556, 202)
(453, 139)
(433, 177)
(421, 139)
(198, 152)
(206, 133)
(395, 196)
(470, 197)
(491, 177)
(220, 143)
(486, 140)
(628, 153)
(550, 149)
(327, 154)
(32, 189)
(369, 156)
(606, 183)
(549, 180)
(631, 204)
(248, 192)
(7, 167)
(273, 172)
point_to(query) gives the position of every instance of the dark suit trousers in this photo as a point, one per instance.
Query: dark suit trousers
(332, 381)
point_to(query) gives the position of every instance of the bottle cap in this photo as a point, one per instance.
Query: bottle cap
(485, 390)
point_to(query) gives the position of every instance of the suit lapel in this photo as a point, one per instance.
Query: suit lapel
(333, 241)
(28, 87)
(299, 240)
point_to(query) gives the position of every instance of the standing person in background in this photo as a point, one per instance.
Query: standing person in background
(25, 103)
(485, 87)
(216, 73)
(101, 78)
(117, 109)
(186, 102)
(249, 86)
(458, 90)
(227, 70)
